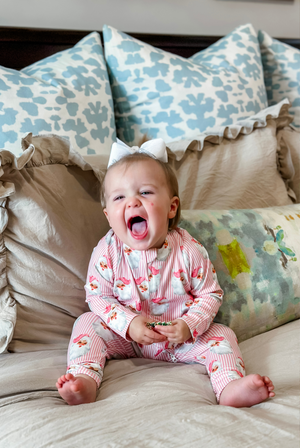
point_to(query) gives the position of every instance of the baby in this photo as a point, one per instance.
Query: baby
(145, 270)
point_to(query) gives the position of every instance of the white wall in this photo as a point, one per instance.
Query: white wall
(279, 18)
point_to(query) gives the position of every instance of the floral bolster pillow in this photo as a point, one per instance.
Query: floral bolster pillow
(256, 254)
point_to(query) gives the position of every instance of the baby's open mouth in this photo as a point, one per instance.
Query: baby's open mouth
(138, 227)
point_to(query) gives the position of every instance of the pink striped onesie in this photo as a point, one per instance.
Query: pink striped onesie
(176, 281)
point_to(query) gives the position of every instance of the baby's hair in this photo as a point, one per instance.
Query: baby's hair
(169, 174)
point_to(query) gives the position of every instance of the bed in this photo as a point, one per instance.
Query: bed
(229, 111)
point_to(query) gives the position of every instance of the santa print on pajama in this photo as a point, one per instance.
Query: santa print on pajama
(176, 281)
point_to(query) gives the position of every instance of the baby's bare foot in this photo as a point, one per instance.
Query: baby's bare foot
(77, 389)
(247, 391)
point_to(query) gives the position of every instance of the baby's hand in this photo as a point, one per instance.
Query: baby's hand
(139, 333)
(178, 332)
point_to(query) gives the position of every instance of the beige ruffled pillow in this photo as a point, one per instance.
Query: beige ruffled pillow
(289, 146)
(234, 166)
(51, 219)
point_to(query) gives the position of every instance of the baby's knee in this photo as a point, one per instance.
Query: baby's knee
(86, 319)
(223, 330)
(89, 315)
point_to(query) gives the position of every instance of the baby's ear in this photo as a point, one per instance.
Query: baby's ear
(173, 207)
(106, 214)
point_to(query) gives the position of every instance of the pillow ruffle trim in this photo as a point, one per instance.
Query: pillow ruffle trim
(279, 112)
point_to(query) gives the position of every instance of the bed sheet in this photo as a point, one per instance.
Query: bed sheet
(147, 403)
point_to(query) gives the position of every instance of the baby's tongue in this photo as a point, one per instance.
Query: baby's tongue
(139, 227)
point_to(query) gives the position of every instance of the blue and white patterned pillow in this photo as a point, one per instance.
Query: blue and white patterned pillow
(281, 64)
(67, 94)
(165, 95)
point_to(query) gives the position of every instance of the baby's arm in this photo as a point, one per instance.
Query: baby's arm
(206, 291)
(100, 289)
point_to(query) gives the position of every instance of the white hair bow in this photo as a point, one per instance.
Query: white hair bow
(154, 148)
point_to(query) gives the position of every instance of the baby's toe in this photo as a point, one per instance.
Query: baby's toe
(258, 380)
(267, 380)
(60, 382)
(269, 383)
(69, 376)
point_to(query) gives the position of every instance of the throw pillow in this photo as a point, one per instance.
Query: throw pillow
(256, 254)
(289, 157)
(281, 64)
(165, 95)
(51, 219)
(67, 94)
(234, 166)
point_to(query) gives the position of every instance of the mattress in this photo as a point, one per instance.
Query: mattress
(147, 403)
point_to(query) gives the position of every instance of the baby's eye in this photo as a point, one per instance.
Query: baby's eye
(117, 198)
(144, 193)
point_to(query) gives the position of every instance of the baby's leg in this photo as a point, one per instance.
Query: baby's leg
(91, 343)
(218, 350)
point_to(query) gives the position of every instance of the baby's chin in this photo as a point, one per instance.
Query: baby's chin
(146, 245)
(140, 245)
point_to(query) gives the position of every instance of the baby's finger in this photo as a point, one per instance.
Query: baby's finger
(157, 337)
(150, 340)
(149, 333)
(168, 330)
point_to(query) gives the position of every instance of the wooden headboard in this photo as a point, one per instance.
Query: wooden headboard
(20, 47)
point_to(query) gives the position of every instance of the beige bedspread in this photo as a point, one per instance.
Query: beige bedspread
(146, 403)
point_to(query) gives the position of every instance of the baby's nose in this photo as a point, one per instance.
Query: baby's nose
(133, 202)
